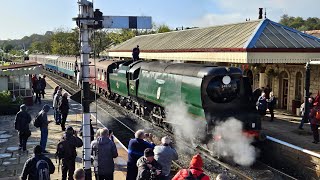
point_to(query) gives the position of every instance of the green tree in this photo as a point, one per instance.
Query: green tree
(100, 41)
(163, 28)
(7, 48)
(311, 23)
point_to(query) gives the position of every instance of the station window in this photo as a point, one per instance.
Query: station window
(20, 85)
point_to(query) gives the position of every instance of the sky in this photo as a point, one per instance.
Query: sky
(21, 18)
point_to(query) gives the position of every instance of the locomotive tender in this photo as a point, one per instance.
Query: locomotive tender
(211, 93)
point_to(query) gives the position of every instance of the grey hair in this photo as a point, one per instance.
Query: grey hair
(65, 94)
(98, 133)
(139, 134)
(104, 132)
(166, 140)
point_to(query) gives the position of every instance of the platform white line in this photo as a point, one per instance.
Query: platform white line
(124, 147)
(294, 147)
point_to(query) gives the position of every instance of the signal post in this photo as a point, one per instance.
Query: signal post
(89, 20)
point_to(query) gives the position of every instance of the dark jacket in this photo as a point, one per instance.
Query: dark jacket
(262, 104)
(29, 170)
(44, 117)
(73, 142)
(22, 121)
(104, 150)
(43, 83)
(312, 115)
(64, 106)
(144, 172)
(272, 102)
(136, 148)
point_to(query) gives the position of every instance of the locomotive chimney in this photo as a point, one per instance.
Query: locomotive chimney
(260, 13)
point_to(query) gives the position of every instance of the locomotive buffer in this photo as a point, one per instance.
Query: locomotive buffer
(89, 20)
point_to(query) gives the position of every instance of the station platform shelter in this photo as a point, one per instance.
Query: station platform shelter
(269, 53)
(16, 79)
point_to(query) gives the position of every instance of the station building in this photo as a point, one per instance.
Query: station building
(267, 52)
(16, 78)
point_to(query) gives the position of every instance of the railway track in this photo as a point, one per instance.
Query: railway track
(124, 118)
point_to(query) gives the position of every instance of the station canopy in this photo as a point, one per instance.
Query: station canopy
(21, 69)
(260, 41)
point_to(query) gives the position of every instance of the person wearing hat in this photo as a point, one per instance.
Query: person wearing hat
(148, 167)
(195, 170)
(315, 119)
(44, 127)
(21, 124)
(70, 141)
(165, 154)
(31, 166)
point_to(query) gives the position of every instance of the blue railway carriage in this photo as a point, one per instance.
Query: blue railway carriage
(63, 65)
(66, 66)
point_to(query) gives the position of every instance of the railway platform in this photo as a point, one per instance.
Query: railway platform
(289, 147)
(12, 160)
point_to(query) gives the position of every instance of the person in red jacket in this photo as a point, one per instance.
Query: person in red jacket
(195, 169)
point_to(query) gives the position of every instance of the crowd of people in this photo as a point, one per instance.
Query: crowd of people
(311, 115)
(38, 86)
(266, 100)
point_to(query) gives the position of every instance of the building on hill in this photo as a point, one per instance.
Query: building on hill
(314, 33)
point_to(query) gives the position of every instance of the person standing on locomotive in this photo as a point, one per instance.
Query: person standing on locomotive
(135, 53)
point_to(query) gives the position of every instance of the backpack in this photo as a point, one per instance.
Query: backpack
(64, 150)
(191, 177)
(38, 120)
(42, 169)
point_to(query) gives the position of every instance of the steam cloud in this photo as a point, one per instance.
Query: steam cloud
(234, 143)
(183, 124)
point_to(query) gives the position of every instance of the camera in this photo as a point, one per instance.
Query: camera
(153, 172)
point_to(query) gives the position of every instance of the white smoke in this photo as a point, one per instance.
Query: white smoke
(183, 124)
(234, 143)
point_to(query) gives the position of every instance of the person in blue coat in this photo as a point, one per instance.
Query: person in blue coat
(136, 149)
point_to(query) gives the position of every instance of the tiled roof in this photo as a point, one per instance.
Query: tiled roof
(260, 35)
(226, 36)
